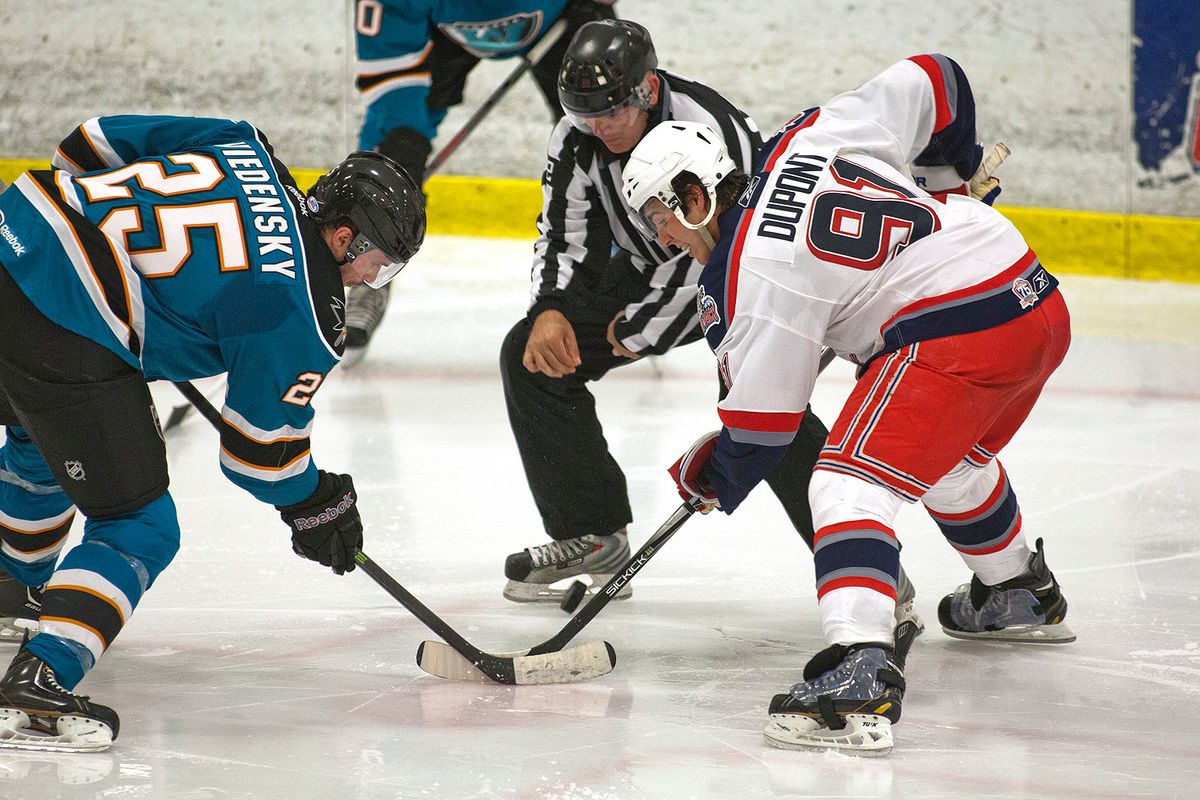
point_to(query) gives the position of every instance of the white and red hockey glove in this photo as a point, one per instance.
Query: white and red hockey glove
(687, 472)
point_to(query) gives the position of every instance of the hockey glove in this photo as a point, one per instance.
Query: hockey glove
(409, 149)
(326, 526)
(579, 12)
(688, 473)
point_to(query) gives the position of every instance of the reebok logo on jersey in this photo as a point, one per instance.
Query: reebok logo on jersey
(10, 238)
(328, 515)
(748, 192)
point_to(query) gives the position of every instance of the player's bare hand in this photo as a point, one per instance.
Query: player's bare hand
(618, 348)
(551, 349)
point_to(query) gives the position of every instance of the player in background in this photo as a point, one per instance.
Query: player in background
(954, 324)
(604, 294)
(413, 62)
(164, 248)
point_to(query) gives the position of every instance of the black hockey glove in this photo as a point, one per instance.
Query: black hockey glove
(326, 526)
(579, 12)
(409, 149)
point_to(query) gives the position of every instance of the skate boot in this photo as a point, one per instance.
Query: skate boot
(20, 607)
(532, 571)
(850, 696)
(1027, 608)
(909, 624)
(38, 714)
(364, 312)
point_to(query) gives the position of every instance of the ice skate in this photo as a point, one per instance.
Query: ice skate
(533, 572)
(1027, 608)
(908, 624)
(849, 699)
(36, 713)
(364, 311)
(20, 607)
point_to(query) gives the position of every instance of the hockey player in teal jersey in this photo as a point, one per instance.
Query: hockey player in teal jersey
(414, 57)
(164, 248)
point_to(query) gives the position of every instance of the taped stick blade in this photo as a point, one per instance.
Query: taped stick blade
(570, 665)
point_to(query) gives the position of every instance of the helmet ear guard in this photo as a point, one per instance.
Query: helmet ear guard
(664, 153)
(379, 201)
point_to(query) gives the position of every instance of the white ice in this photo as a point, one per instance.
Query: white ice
(248, 672)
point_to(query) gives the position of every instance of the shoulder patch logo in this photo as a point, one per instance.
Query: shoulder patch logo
(706, 308)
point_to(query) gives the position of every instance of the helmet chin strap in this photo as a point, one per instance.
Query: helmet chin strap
(702, 225)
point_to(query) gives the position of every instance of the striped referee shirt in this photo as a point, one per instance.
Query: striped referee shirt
(584, 214)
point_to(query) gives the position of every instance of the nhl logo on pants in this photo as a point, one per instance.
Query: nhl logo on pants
(75, 470)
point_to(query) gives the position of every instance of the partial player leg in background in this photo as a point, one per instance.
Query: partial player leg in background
(365, 308)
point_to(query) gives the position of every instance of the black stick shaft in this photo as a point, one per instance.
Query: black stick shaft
(610, 589)
(197, 399)
(527, 62)
(497, 668)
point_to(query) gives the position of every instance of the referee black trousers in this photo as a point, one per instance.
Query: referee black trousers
(577, 485)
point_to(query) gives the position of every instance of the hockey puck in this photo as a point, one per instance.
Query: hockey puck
(573, 596)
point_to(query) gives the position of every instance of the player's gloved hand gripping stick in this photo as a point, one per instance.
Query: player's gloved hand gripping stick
(438, 659)
(548, 665)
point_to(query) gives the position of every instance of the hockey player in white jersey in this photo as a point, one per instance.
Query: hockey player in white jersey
(955, 326)
(164, 248)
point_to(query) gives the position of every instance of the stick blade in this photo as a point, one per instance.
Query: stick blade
(573, 664)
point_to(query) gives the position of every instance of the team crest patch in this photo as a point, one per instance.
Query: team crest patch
(489, 38)
(75, 470)
(706, 307)
(1026, 294)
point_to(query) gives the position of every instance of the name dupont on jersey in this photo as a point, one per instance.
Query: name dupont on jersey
(331, 513)
(10, 237)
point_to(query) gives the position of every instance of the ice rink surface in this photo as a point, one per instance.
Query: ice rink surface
(248, 672)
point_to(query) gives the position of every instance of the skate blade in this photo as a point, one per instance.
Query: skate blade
(14, 630)
(864, 735)
(573, 664)
(74, 734)
(1060, 633)
(520, 592)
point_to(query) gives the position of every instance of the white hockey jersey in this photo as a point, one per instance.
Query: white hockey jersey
(833, 244)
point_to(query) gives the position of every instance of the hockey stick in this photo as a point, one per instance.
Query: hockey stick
(438, 659)
(527, 62)
(579, 663)
(982, 181)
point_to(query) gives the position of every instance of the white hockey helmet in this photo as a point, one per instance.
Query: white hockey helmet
(668, 149)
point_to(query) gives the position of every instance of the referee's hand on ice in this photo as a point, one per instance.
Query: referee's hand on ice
(551, 349)
(618, 348)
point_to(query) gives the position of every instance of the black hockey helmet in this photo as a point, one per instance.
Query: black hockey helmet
(377, 199)
(604, 68)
